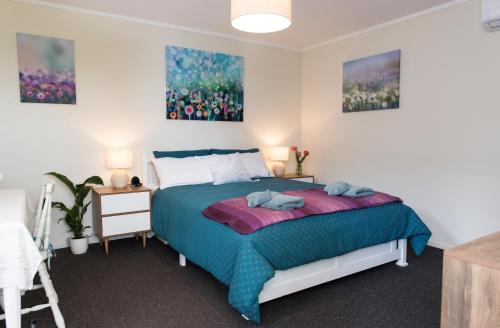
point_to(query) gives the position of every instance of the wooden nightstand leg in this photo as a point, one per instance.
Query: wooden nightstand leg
(106, 246)
(144, 235)
(136, 236)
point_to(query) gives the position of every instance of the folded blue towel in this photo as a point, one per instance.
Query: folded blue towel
(337, 188)
(280, 202)
(258, 198)
(356, 191)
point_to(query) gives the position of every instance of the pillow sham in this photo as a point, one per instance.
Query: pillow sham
(181, 171)
(254, 164)
(225, 168)
(233, 151)
(182, 153)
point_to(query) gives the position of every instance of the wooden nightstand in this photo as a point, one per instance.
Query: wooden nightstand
(121, 211)
(304, 177)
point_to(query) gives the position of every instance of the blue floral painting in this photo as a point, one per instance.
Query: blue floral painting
(372, 83)
(205, 86)
(46, 69)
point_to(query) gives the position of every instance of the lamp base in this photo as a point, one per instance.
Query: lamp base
(279, 169)
(119, 179)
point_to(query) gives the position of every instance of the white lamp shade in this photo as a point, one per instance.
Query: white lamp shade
(261, 16)
(279, 154)
(119, 159)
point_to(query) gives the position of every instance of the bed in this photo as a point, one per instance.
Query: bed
(286, 257)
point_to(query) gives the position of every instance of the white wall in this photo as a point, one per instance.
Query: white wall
(440, 151)
(120, 73)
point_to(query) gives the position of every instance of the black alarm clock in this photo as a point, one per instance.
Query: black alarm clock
(135, 182)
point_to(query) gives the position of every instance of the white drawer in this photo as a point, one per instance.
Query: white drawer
(127, 223)
(306, 179)
(122, 203)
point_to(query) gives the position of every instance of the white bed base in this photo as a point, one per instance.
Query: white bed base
(316, 273)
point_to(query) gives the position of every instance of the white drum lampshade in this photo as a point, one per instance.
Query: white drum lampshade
(261, 16)
(119, 160)
(279, 155)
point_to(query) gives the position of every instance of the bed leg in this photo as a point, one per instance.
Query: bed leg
(402, 246)
(162, 240)
(182, 260)
(245, 317)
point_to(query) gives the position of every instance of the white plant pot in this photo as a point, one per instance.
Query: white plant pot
(79, 246)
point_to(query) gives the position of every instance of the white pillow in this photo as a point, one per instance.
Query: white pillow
(254, 164)
(225, 168)
(181, 171)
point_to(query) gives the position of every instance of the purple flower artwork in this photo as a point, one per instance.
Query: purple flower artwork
(372, 83)
(46, 69)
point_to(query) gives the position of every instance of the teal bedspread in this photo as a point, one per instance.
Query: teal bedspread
(246, 262)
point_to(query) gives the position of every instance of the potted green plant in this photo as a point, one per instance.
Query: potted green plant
(74, 215)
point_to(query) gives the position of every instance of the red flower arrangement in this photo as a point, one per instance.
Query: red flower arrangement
(300, 158)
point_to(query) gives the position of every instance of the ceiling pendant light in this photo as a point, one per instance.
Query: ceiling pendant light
(261, 16)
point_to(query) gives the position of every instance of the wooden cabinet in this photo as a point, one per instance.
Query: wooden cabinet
(471, 285)
(304, 178)
(121, 211)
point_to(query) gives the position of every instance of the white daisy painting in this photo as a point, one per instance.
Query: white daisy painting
(372, 83)
(204, 86)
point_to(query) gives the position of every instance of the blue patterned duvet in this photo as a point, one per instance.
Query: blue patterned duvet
(246, 262)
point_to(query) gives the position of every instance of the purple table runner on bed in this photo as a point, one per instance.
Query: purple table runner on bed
(236, 213)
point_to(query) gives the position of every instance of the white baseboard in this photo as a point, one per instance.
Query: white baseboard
(60, 244)
(92, 240)
(439, 245)
(65, 244)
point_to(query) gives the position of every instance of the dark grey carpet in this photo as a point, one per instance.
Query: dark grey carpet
(135, 287)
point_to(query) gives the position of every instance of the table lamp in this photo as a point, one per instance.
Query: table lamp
(119, 160)
(279, 155)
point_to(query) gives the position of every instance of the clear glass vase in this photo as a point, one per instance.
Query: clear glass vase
(298, 171)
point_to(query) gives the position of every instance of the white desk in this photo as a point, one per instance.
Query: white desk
(19, 257)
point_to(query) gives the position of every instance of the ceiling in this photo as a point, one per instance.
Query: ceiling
(314, 21)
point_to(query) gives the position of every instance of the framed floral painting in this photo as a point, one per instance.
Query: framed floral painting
(372, 83)
(46, 69)
(203, 86)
